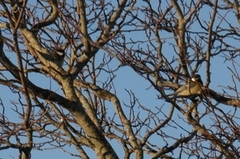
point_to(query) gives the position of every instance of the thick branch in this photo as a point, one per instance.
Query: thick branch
(102, 40)
(181, 37)
(83, 25)
(111, 97)
(220, 98)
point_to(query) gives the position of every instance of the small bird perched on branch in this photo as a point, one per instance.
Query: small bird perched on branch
(190, 90)
(58, 57)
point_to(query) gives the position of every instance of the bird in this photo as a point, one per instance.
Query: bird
(190, 90)
(58, 56)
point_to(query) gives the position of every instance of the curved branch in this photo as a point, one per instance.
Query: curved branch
(159, 126)
(51, 17)
(174, 145)
(211, 137)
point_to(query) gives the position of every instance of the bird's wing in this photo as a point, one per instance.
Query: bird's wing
(182, 89)
(179, 90)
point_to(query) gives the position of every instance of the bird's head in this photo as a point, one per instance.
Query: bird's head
(197, 78)
(60, 53)
(58, 56)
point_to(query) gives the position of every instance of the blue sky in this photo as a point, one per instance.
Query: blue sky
(127, 79)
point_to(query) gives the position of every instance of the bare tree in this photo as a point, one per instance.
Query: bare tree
(61, 60)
